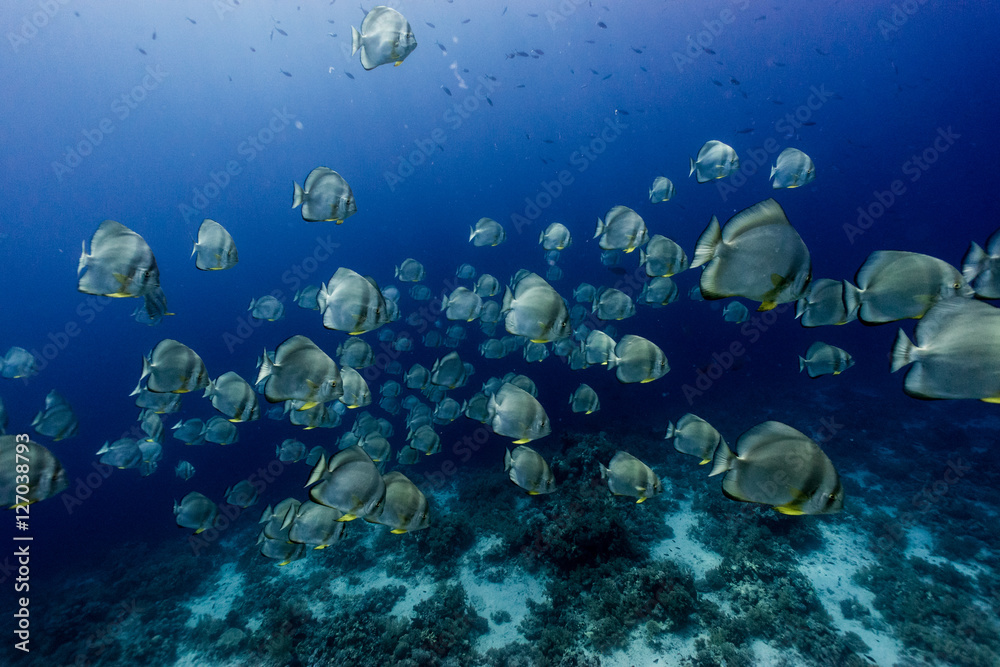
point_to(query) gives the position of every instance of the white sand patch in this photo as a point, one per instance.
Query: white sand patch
(830, 570)
(920, 543)
(511, 596)
(865, 479)
(419, 587)
(765, 654)
(253, 623)
(683, 547)
(672, 650)
(217, 603)
(199, 660)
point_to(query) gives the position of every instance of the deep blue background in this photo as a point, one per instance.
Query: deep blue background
(894, 90)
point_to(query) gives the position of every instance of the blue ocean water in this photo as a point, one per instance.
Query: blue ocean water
(588, 102)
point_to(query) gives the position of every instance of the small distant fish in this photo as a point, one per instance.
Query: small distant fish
(430, 25)
(716, 82)
(445, 89)
(281, 32)
(520, 85)
(504, 10)
(594, 70)
(635, 49)
(708, 50)
(733, 81)
(824, 359)
(822, 52)
(601, 24)
(745, 130)
(538, 51)
(491, 78)
(548, 141)
(349, 75)
(154, 34)
(643, 68)
(605, 77)
(330, 21)
(761, 17)
(284, 72)
(253, 49)
(489, 101)
(466, 21)
(191, 20)
(534, 16)
(141, 50)
(590, 41)
(809, 122)
(779, 102)
(522, 54)
(621, 111)
(777, 64)
(441, 46)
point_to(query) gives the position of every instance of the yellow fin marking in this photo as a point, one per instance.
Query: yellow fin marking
(787, 509)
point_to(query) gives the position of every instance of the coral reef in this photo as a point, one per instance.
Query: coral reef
(933, 608)
(770, 598)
